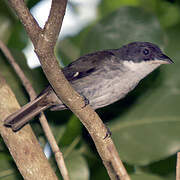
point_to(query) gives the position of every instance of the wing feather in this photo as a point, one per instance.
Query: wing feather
(87, 64)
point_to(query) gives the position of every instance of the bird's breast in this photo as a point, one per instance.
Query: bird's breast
(106, 86)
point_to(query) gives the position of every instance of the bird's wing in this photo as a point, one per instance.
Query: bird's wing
(87, 64)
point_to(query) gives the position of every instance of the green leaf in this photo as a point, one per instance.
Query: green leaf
(73, 130)
(77, 167)
(5, 30)
(106, 6)
(7, 21)
(18, 38)
(121, 27)
(6, 10)
(8, 169)
(141, 141)
(35, 76)
(140, 130)
(12, 79)
(169, 14)
(145, 176)
(149, 130)
(165, 167)
(32, 3)
(69, 48)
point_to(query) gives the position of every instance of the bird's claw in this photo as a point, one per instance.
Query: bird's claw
(108, 133)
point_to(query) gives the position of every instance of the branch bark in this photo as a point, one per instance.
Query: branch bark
(22, 145)
(49, 135)
(44, 47)
(178, 167)
(25, 16)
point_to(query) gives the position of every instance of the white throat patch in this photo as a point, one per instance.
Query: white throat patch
(134, 66)
(142, 68)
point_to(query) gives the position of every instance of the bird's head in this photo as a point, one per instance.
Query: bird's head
(144, 52)
(142, 57)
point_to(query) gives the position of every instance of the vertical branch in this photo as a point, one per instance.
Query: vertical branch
(53, 25)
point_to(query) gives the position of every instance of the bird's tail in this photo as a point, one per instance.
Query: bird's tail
(27, 112)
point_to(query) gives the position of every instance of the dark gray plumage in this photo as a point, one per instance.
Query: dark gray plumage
(102, 77)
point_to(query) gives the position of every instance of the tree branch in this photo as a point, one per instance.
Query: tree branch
(22, 145)
(178, 167)
(49, 135)
(18, 70)
(53, 25)
(24, 15)
(45, 51)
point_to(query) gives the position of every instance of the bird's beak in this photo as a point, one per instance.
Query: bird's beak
(165, 59)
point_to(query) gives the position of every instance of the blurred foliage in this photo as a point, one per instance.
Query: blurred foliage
(144, 125)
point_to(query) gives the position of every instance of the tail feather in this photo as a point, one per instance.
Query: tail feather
(27, 112)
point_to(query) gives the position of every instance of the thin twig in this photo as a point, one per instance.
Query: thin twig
(44, 49)
(178, 167)
(57, 153)
(18, 70)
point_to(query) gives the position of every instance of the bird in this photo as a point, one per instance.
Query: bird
(102, 77)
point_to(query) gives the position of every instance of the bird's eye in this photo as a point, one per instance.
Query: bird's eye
(146, 51)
